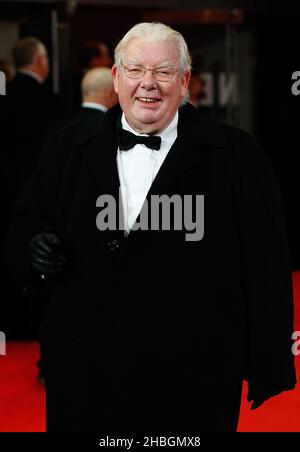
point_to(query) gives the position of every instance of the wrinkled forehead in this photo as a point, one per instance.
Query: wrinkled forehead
(143, 52)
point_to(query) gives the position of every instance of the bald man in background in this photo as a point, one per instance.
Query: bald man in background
(98, 94)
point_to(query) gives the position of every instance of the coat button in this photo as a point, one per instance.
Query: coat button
(113, 245)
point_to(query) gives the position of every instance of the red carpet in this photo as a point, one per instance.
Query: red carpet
(22, 398)
(281, 413)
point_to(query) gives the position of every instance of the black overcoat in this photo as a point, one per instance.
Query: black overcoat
(152, 332)
(31, 109)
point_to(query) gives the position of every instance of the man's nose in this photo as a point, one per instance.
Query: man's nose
(148, 81)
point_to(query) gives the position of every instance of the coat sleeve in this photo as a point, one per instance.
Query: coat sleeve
(266, 272)
(34, 212)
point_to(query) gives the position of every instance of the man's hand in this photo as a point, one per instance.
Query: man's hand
(45, 254)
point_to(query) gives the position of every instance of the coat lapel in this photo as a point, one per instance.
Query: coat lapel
(194, 141)
(193, 138)
(178, 160)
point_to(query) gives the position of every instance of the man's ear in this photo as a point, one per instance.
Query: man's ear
(115, 75)
(185, 81)
(113, 97)
(38, 60)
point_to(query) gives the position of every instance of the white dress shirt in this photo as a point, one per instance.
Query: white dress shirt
(138, 167)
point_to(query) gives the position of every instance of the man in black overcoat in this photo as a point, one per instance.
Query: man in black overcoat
(31, 109)
(157, 324)
(25, 119)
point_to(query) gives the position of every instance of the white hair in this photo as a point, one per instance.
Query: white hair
(96, 80)
(155, 32)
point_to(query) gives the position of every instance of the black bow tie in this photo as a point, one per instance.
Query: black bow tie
(128, 140)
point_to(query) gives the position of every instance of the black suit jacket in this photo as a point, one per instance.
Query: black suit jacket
(31, 109)
(159, 332)
(81, 114)
(88, 112)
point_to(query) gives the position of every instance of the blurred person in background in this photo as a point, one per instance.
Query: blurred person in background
(93, 54)
(29, 112)
(98, 93)
(8, 69)
(195, 89)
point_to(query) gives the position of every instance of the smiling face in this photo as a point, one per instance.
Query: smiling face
(150, 105)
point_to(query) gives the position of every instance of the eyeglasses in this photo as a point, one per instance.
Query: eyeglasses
(163, 74)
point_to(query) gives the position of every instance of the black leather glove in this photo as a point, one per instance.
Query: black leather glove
(45, 254)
